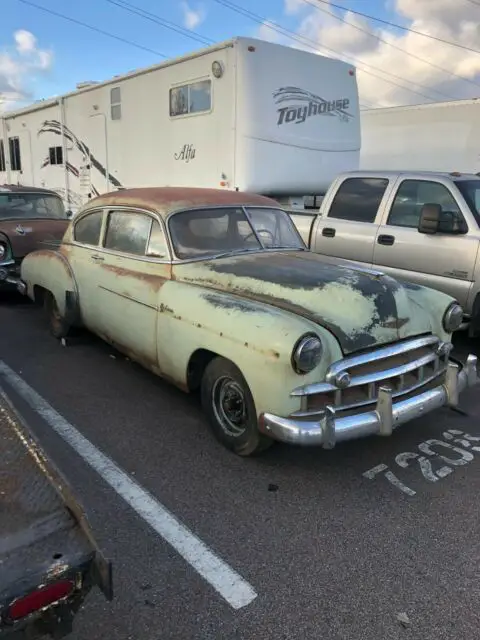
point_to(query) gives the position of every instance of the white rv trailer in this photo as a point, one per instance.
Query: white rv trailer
(443, 136)
(245, 114)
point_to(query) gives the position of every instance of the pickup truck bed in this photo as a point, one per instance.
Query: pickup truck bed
(45, 542)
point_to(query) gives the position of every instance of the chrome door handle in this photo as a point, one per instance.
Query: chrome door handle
(97, 258)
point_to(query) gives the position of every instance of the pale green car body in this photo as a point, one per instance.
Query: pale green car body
(174, 315)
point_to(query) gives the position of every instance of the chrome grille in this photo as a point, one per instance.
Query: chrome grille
(404, 367)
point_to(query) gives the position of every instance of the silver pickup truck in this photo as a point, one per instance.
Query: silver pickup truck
(423, 227)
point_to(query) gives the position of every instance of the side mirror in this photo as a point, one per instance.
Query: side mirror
(69, 214)
(430, 218)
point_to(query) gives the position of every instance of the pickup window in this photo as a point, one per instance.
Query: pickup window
(470, 189)
(413, 194)
(358, 199)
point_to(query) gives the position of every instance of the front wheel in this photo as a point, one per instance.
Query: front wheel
(59, 328)
(229, 406)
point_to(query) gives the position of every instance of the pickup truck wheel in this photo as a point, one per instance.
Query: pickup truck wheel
(229, 406)
(59, 328)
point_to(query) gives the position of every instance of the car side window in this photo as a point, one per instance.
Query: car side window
(358, 199)
(157, 243)
(128, 232)
(87, 229)
(413, 194)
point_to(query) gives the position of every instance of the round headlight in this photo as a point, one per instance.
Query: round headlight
(453, 317)
(307, 354)
(3, 251)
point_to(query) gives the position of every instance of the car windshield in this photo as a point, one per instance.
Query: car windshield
(210, 232)
(470, 190)
(31, 205)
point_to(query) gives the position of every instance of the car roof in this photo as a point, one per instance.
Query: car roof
(20, 188)
(166, 200)
(455, 176)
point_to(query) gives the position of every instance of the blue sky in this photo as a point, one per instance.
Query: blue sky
(80, 54)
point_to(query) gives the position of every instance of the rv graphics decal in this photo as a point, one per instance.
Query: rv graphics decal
(54, 126)
(186, 153)
(307, 104)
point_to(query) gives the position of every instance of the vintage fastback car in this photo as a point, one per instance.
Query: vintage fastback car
(215, 291)
(30, 218)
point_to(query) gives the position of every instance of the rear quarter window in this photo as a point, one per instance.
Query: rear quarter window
(87, 229)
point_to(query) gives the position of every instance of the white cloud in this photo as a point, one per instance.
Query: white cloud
(19, 64)
(447, 19)
(192, 18)
(26, 41)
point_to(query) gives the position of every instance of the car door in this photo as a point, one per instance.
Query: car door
(133, 263)
(445, 260)
(350, 227)
(81, 254)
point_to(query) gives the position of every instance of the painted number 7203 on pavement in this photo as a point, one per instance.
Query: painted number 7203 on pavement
(455, 450)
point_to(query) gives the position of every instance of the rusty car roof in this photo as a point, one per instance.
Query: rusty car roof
(166, 200)
(21, 188)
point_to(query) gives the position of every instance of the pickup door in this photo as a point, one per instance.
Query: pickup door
(445, 260)
(349, 227)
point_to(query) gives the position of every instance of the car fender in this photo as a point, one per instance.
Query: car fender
(257, 337)
(51, 270)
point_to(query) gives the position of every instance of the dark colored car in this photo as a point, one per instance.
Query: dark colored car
(30, 218)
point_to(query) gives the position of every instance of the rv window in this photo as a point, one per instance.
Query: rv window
(115, 103)
(56, 155)
(358, 199)
(87, 230)
(128, 232)
(178, 101)
(191, 98)
(14, 148)
(3, 164)
(200, 96)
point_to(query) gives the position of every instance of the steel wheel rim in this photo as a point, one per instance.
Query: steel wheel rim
(228, 402)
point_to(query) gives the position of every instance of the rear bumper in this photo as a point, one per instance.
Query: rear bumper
(382, 420)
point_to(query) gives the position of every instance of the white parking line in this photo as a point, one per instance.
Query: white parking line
(227, 582)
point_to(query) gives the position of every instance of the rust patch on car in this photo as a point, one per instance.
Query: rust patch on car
(163, 308)
(154, 280)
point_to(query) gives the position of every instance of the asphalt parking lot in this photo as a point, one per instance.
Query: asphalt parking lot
(376, 539)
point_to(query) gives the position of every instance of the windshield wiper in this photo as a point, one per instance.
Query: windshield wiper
(236, 252)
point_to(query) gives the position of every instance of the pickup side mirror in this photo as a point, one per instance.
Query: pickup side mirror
(430, 218)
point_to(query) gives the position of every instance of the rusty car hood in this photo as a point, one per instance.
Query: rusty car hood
(26, 235)
(361, 308)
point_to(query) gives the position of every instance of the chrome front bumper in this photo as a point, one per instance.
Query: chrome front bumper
(9, 273)
(382, 420)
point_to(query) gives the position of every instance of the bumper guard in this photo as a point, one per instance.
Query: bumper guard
(382, 420)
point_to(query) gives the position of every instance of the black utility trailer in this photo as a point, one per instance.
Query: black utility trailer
(49, 560)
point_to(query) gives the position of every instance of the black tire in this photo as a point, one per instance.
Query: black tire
(223, 383)
(59, 328)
